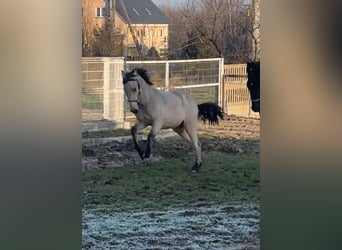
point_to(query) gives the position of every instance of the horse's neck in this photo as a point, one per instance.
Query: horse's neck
(147, 93)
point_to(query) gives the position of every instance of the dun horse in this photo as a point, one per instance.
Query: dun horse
(174, 109)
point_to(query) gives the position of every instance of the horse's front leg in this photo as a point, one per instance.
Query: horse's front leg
(150, 139)
(137, 126)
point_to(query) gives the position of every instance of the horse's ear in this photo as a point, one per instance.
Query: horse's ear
(135, 72)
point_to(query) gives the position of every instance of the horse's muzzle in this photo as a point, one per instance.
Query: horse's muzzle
(134, 111)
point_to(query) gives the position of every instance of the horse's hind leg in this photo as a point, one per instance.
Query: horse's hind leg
(182, 132)
(192, 132)
(137, 126)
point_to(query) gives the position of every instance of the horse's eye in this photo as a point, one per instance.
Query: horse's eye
(135, 89)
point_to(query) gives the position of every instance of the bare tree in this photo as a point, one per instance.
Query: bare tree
(87, 28)
(177, 31)
(204, 24)
(237, 38)
(256, 30)
(211, 28)
(217, 28)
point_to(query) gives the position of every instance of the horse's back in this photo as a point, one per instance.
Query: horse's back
(187, 101)
(185, 97)
(176, 106)
(190, 107)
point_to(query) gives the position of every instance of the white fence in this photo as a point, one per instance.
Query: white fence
(102, 92)
(208, 80)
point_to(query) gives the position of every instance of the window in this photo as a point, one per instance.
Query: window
(148, 12)
(136, 12)
(100, 12)
(161, 32)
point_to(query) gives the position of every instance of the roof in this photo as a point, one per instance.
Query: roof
(141, 12)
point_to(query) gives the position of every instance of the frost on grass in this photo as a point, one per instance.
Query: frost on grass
(220, 227)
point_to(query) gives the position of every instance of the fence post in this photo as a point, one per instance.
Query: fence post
(113, 94)
(167, 75)
(221, 82)
(106, 103)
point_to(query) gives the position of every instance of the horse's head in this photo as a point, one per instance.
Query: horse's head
(133, 83)
(253, 84)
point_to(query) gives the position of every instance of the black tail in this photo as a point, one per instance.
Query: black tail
(209, 112)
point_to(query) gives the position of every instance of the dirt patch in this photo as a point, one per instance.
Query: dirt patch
(233, 135)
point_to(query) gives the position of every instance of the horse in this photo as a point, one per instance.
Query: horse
(174, 109)
(253, 84)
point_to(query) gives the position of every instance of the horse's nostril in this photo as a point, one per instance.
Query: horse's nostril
(134, 111)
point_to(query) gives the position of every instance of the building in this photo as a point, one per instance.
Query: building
(141, 22)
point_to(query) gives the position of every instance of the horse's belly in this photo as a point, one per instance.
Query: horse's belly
(174, 119)
(167, 125)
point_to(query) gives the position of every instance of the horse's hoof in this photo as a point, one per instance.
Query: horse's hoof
(195, 168)
(141, 156)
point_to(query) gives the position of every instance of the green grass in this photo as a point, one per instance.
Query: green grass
(224, 178)
(204, 94)
(92, 101)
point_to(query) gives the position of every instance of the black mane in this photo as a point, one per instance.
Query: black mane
(142, 72)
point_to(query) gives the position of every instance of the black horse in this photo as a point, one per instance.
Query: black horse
(253, 84)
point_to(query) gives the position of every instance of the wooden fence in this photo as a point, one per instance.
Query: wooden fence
(236, 98)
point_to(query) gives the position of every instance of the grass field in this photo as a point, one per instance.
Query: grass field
(223, 179)
(92, 101)
(161, 204)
